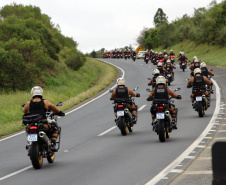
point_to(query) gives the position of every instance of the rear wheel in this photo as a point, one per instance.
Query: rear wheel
(201, 111)
(122, 125)
(161, 131)
(35, 155)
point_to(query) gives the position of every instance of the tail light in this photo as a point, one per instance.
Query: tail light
(160, 108)
(199, 93)
(33, 128)
(120, 107)
(183, 62)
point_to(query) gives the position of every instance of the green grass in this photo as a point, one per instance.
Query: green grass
(211, 55)
(70, 87)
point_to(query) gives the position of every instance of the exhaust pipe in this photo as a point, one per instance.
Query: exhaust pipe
(168, 115)
(45, 138)
(128, 113)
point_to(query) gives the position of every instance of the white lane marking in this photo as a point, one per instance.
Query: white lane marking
(141, 107)
(112, 128)
(14, 173)
(123, 75)
(189, 150)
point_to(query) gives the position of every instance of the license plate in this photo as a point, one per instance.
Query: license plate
(120, 113)
(32, 137)
(169, 75)
(160, 116)
(183, 64)
(198, 98)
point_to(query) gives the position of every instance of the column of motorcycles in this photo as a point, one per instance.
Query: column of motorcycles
(164, 119)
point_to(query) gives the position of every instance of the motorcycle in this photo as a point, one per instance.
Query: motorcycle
(39, 144)
(163, 123)
(125, 57)
(183, 65)
(172, 58)
(134, 58)
(146, 59)
(200, 105)
(118, 56)
(169, 76)
(154, 61)
(124, 118)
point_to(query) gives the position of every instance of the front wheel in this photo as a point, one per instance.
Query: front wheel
(51, 158)
(161, 131)
(35, 155)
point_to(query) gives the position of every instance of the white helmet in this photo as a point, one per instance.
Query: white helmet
(196, 60)
(168, 61)
(197, 71)
(121, 81)
(203, 64)
(160, 53)
(159, 64)
(166, 55)
(160, 80)
(156, 71)
(36, 91)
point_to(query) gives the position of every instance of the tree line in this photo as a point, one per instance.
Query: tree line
(207, 25)
(32, 48)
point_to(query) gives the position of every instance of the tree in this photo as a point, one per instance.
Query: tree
(160, 18)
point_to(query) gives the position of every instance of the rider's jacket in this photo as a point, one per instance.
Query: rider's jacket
(38, 108)
(182, 58)
(204, 71)
(122, 93)
(161, 93)
(198, 82)
(168, 66)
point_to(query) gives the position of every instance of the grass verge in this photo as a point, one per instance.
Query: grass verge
(74, 88)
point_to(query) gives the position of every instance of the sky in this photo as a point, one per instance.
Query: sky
(96, 24)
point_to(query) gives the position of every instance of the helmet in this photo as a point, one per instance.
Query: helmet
(121, 81)
(159, 64)
(156, 72)
(156, 52)
(164, 50)
(197, 71)
(182, 53)
(195, 57)
(147, 50)
(160, 53)
(36, 91)
(168, 61)
(196, 60)
(203, 64)
(160, 80)
(166, 56)
(171, 50)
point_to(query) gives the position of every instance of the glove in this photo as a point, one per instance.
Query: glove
(111, 99)
(189, 86)
(148, 99)
(179, 97)
(138, 95)
(61, 113)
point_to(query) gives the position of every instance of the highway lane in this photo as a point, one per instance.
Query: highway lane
(86, 158)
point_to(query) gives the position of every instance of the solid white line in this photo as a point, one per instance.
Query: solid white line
(12, 136)
(14, 173)
(185, 154)
(110, 129)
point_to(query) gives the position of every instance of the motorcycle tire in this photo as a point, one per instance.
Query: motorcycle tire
(161, 131)
(122, 126)
(200, 109)
(35, 156)
(183, 70)
(168, 83)
(51, 158)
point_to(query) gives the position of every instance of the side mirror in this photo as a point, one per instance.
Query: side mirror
(111, 90)
(177, 89)
(148, 90)
(187, 79)
(136, 88)
(23, 105)
(60, 104)
(149, 78)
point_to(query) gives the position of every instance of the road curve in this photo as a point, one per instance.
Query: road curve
(92, 148)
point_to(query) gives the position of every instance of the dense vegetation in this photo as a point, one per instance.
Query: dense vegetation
(32, 48)
(208, 25)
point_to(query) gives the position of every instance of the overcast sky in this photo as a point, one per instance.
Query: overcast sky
(97, 24)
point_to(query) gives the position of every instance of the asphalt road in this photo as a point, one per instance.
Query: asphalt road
(86, 157)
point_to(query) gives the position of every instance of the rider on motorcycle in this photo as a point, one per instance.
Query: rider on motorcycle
(170, 66)
(160, 56)
(161, 91)
(38, 105)
(205, 70)
(165, 53)
(199, 81)
(182, 58)
(165, 58)
(153, 79)
(123, 92)
(161, 69)
(195, 65)
(171, 53)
